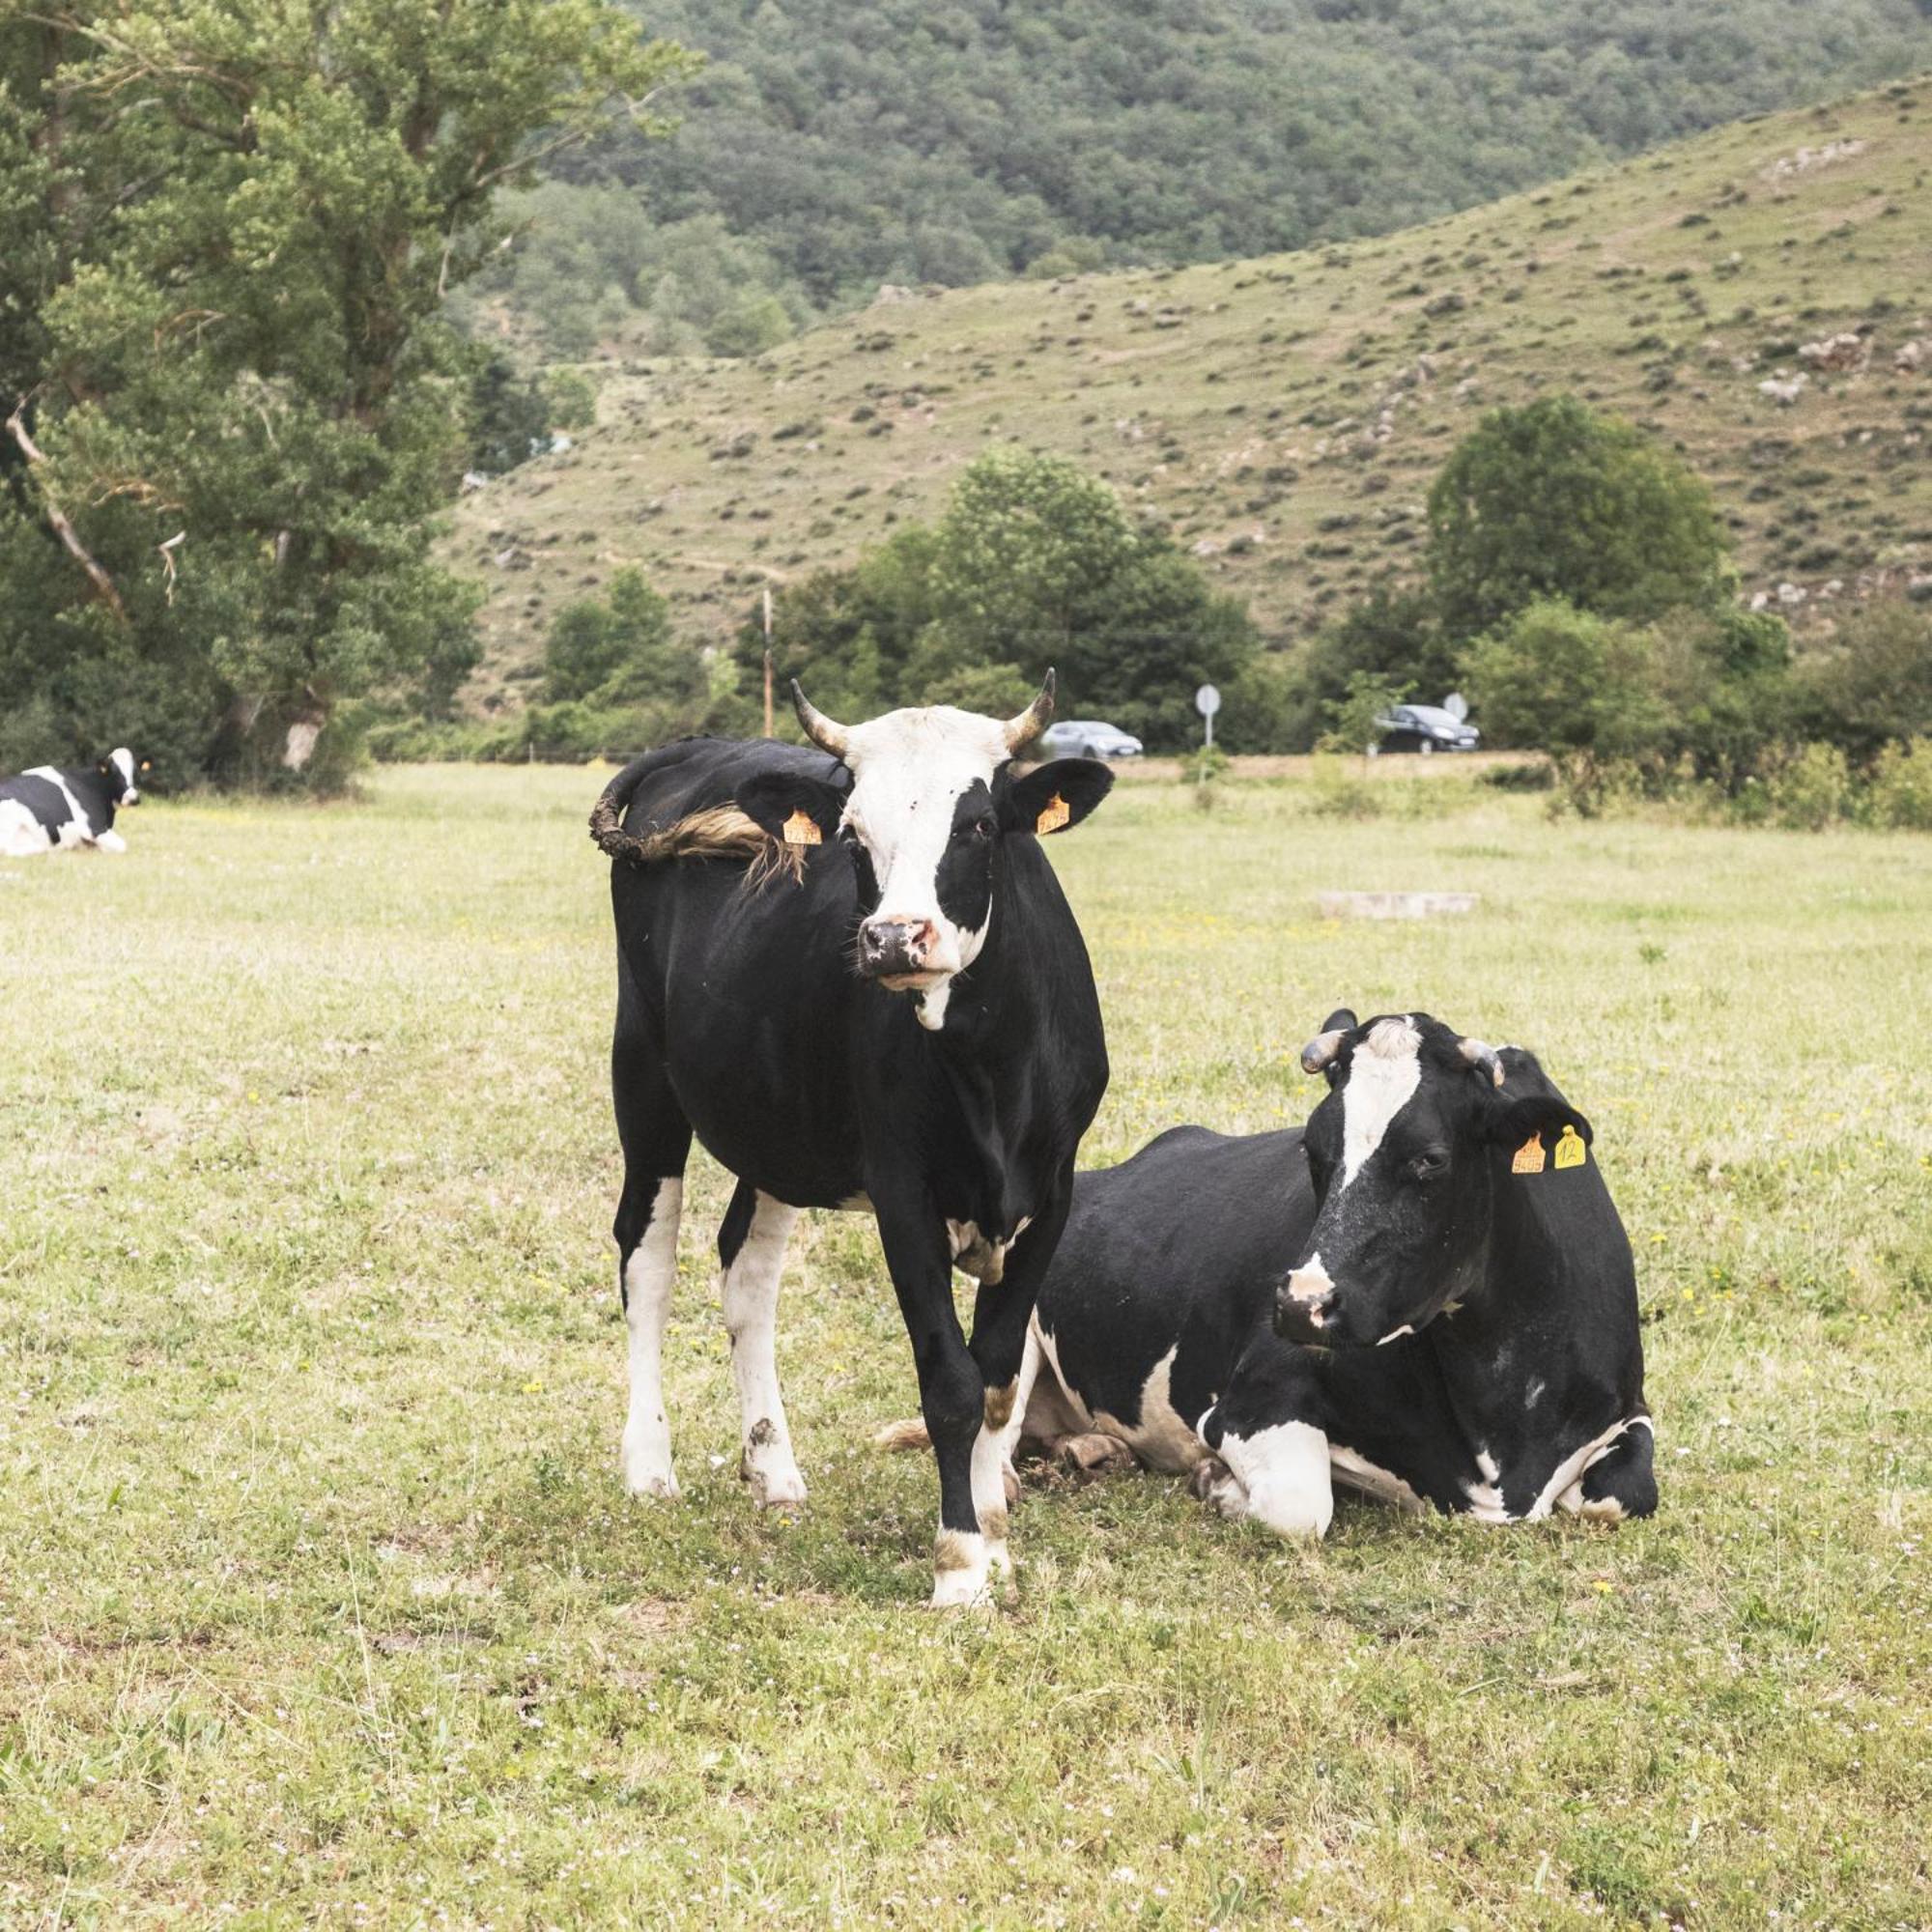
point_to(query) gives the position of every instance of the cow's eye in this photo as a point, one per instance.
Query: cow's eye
(985, 827)
(1430, 1165)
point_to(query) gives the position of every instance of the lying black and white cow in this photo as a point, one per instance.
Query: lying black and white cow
(49, 811)
(770, 902)
(1440, 1229)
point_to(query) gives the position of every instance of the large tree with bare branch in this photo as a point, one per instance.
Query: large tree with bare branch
(230, 407)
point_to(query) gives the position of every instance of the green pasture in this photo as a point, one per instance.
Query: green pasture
(321, 1602)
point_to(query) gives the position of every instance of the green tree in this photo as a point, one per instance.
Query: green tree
(617, 677)
(509, 414)
(1553, 500)
(1029, 547)
(1579, 686)
(242, 403)
(1034, 563)
(1038, 564)
(619, 648)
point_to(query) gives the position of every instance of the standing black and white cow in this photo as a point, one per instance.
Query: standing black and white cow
(49, 811)
(1440, 1229)
(852, 974)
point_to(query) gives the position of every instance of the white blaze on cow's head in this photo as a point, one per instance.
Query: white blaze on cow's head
(118, 769)
(932, 796)
(1404, 1152)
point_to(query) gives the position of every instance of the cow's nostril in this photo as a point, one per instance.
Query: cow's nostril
(894, 946)
(1305, 1307)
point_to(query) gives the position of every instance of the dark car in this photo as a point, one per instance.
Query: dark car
(1087, 738)
(1426, 727)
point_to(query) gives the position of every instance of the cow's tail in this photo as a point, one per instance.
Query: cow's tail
(909, 1435)
(719, 831)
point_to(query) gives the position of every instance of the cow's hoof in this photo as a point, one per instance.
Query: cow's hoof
(778, 1492)
(778, 1488)
(954, 1590)
(1094, 1455)
(959, 1570)
(1217, 1486)
(653, 1484)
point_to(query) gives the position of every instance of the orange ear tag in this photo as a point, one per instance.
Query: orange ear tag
(1570, 1150)
(1528, 1156)
(1057, 814)
(802, 830)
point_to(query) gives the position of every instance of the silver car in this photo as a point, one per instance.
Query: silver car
(1087, 738)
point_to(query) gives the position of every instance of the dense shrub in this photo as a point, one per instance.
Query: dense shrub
(1807, 788)
(1869, 682)
(1899, 795)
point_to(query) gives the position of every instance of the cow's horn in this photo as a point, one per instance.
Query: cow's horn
(1479, 1054)
(1319, 1051)
(1022, 730)
(827, 734)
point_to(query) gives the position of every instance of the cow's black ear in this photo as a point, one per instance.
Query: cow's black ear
(1053, 796)
(1513, 1122)
(1340, 1021)
(798, 811)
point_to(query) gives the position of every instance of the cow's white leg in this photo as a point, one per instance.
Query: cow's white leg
(990, 1463)
(1283, 1475)
(650, 1276)
(110, 840)
(1031, 1359)
(750, 1295)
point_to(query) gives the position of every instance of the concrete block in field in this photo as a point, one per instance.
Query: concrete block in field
(1394, 906)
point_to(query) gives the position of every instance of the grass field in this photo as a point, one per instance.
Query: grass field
(1288, 414)
(321, 1602)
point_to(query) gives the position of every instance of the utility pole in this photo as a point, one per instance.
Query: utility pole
(768, 660)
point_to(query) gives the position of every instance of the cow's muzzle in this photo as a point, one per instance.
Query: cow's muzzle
(1306, 1305)
(895, 948)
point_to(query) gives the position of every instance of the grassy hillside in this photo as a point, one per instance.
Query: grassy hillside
(1286, 414)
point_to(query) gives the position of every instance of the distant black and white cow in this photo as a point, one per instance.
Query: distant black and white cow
(770, 903)
(49, 811)
(1440, 1229)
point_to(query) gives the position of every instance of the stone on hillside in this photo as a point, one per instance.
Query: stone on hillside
(1844, 350)
(1807, 158)
(1784, 389)
(1909, 358)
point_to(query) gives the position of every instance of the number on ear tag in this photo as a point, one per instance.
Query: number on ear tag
(1057, 814)
(800, 829)
(1570, 1150)
(1528, 1156)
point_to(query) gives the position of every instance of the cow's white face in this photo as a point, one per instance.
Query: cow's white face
(921, 816)
(119, 769)
(931, 797)
(1404, 1153)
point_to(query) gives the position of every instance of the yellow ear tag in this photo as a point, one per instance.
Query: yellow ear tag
(1528, 1156)
(1570, 1150)
(801, 830)
(1056, 814)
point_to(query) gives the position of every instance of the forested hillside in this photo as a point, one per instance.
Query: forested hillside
(1282, 417)
(828, 148)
